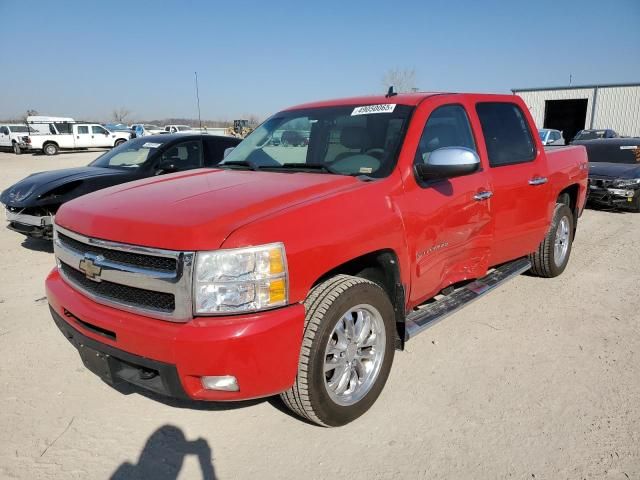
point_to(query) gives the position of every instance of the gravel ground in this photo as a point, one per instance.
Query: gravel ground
(540, 379)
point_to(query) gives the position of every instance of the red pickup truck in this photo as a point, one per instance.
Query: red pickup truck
(299, 270)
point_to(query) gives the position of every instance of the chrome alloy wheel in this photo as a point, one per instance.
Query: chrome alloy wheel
(563, 237)
(354, 354)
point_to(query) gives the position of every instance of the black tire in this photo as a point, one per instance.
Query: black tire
(16, 148)
(544, 260)
(50, 149)
(635, 205)
(119, 142)
(325, 307)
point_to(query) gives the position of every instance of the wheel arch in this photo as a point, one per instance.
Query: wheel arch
(569, 196)
(383, 268)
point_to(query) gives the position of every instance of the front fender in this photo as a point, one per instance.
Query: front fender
(322, 234)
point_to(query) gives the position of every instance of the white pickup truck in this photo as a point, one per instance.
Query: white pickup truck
(79, 135)
(11, 136)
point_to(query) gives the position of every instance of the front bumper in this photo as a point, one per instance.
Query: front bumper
(261, 350)
(31, 225)
(612, 197)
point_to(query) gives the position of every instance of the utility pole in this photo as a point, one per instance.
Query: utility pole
(198, 101)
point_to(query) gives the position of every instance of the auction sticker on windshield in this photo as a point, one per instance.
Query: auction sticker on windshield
(367, 109)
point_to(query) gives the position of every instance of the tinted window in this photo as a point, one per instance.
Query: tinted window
(4, 130)
(506, 133)
(98, 130)
(83, 129)
(215, 147)
(448, 126)
(185, 155)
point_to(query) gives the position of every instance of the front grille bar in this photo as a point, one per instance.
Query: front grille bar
(128, 273)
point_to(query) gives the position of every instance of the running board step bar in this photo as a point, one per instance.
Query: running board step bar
(425, 317)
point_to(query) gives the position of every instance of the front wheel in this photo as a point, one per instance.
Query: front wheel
(347, 351)
(16, 148)
(553, 253)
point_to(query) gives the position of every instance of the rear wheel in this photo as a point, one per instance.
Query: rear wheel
(50, 149)
(553, 253)
(347, 351)
(16, 148)
(119, 142)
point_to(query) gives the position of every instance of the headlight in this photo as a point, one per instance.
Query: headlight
(632, 182)
(240, 280)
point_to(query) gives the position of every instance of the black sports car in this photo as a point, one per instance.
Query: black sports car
(614, 172)
(32, 202)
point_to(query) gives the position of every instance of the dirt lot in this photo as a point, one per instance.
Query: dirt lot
(540, 379)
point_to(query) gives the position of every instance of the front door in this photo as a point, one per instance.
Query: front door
(5, 137)
(82, 136)
(520, 204)
(100, 137)
(448, 222)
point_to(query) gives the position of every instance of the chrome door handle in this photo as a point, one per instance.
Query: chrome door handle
(483, 195)
(538, 181)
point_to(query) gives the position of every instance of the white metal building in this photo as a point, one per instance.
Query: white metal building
(570, 109)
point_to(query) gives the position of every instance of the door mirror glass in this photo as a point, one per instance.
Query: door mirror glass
(448, 162)
(227, 151)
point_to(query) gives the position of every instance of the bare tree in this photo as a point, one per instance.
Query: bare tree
(120, 115)
(402, 80)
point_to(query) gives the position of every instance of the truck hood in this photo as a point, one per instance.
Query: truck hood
(193, 210)
(31, 190)
(614, 170)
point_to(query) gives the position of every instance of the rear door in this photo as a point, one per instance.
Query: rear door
(448, 221)
(519, 174)
(82, 136)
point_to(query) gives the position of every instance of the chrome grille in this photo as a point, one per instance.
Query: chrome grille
(601, 182)
(147, 281)
(127, 258)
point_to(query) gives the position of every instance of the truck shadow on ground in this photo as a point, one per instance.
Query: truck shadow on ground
(275, 401)
(163, 455)
(38, 245)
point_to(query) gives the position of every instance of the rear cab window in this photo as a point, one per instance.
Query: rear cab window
(506, 133)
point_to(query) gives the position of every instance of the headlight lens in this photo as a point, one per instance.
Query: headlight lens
(240, 280)
(632, 182)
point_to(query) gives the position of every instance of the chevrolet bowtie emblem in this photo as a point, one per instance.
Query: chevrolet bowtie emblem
(90, 269)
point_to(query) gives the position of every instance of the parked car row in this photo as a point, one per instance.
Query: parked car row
(299, 271)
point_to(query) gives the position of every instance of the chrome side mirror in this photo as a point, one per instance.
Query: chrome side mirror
(448, 162)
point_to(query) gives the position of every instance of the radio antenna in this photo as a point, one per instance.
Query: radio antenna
(198, 101)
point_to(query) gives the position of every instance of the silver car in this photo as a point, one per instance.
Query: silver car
(551, 137)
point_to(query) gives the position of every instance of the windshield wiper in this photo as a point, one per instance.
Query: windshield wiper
(311, 166)
(241, 163)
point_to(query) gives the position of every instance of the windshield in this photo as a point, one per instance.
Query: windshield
(152, 127)
(19, 129)
(589, 134)
(543, 134)
(182, 128)
(349, 140)
(131, 154)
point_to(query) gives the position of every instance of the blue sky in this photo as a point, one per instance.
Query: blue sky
(86, 58)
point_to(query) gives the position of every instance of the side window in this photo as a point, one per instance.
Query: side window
(448, 126)
(555, 136)
(506, 134)
(215, 149)
(4, 130)
(98, 130)
(83, 130)
(185, 155)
